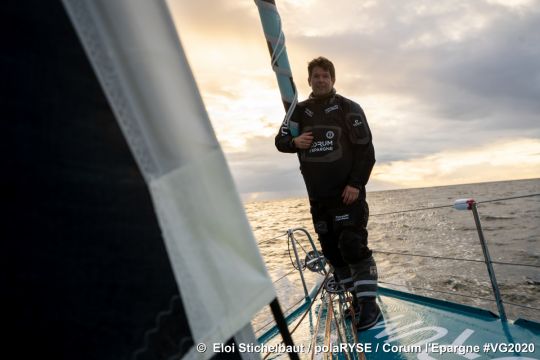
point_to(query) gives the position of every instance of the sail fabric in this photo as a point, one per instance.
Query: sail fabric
(136, 54)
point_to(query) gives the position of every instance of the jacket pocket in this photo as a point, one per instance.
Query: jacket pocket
(358, 129)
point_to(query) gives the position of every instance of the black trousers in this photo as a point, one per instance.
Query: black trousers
(342, 230)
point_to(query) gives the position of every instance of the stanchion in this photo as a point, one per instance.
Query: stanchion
(470, 204)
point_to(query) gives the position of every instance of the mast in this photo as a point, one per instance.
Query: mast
(275, 39)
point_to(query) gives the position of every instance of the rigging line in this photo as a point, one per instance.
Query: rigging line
(283, 328)
(316, 331)
(274, 238)
(419, 288)
(287, 274)
(451, 258)
(293, 305)
(350, 331)
(521, 306)
(307, 310)
(516, 264)
(337, 325)
(439, 291)
(411, 210)
(289, 242)
(463, 295)
(272, 321)
(265, 325)
(449, 206)
(280, 44)
(290, 307)
(509, 198)
(298, 242)
(312, 302)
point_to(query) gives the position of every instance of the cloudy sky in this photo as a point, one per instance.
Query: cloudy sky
(451, 88)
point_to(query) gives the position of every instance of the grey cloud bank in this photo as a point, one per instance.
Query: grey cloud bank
(432, 76)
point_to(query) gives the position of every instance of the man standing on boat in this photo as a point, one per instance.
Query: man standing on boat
(332, 138)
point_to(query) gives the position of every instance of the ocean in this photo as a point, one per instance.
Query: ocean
(511, 229)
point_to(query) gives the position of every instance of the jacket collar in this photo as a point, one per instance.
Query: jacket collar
(323, 98)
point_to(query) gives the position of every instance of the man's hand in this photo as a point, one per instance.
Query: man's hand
(303, 141)
(350, 194)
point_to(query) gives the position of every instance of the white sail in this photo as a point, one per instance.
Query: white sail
(136, 53)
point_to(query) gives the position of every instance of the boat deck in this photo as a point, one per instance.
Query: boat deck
(417, 327)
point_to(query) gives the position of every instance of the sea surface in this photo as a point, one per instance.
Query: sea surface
(511, 229)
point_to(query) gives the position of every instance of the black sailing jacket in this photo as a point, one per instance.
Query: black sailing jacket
(342, 151)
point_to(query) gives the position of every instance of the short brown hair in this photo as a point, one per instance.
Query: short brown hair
(323, 63)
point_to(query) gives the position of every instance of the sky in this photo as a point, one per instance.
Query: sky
(450, 88)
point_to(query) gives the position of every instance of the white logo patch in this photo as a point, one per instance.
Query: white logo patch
(330, 134)
(308, 112)
(357, 123)
(331, 108)
(342, 217)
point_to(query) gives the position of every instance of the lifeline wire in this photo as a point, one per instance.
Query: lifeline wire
(274, 238)
(287, 274)
(420, 255)
(460, 294)
(450, 258)
(272, 321)
(438, 291)
(307, 311)
(449, 206)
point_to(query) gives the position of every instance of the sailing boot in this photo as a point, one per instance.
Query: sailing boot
(365, 278)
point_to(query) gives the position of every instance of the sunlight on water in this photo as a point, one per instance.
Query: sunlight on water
(511, 228)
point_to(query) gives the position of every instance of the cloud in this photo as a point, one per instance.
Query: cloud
(502, 160)
(261, 172)
(260, 168)
(214, 18)
(432, 77)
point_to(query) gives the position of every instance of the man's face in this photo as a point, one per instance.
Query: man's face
(320, 81)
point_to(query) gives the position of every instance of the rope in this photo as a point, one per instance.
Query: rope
(274, 58)
(388, 283)
(272, 321)
(274, 238)
(283, 328)
(451, 258)
(438, 291)
(280, 44)
(449, 206)
(516, 264)
(287, 274)
(522, 306)
(400, 253)
(265, 325)
(411, 210)
(509, 198)
(294, 305)
(299, 244)
(291, 239)
(460, 294)
(307, 310)
(311, 305)
(289, 308)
